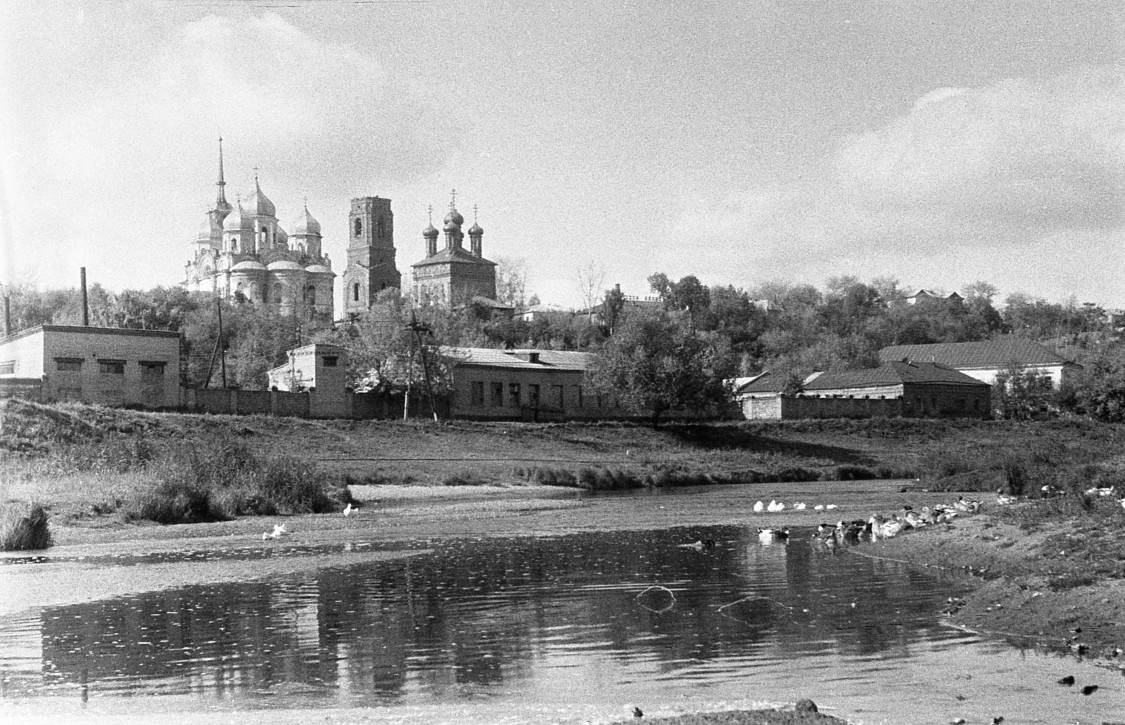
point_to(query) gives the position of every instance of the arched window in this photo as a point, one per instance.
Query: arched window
(277, 292)
(355, 292)
(381, 226)
(310, 295)
(358, 226)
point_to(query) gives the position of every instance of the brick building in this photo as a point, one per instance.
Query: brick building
(454, 275)
(107, 366)
(985, 359)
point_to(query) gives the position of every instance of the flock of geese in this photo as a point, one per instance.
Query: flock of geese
(874, 528)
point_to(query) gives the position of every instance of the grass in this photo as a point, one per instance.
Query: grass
(24, 527)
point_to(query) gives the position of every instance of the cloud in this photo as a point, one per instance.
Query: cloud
(1002, 169)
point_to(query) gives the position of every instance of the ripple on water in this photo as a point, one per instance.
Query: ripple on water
(589, 620)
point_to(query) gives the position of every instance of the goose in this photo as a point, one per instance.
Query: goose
(965, 505)
(830, 507)
(915, 519)
(701, 545)
(768, 536)
(799, 506)
(759, 507)
(349, 509)
(279, 530)
(818, 507)
(775, 506)
(1003, 498)
(852, 531)
(1102, 491)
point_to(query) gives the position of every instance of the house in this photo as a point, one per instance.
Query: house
(893, 389)
(925, 295)
(537, 385)
(984, 360)
(102, 365)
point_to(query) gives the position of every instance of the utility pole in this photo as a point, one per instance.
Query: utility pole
(418, 328)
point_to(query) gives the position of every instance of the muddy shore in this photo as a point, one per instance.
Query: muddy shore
(1011, 600)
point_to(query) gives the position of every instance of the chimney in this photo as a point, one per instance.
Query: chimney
(85, 302)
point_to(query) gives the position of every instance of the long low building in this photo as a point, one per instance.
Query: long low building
(897, 388)
(985, 359)
(102, 365)
(493, 384)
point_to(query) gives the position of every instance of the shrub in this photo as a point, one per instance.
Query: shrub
(24, 527)
(605, 479)
(464, 478)
(854, 473)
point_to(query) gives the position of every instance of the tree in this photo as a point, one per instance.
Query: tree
(613, 305)
(590, 280)
(1022, 393)
(688, 295)
(511, 281)
(654, 364)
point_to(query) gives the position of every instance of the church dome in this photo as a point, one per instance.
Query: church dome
(282, 265)
(306, 224)
(318, 269)
(475, 230)
(454, 217)
(237, 220)
(258, 204)
(248, 265)
(429, 231)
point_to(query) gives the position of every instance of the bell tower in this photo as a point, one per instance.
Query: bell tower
(371, 254)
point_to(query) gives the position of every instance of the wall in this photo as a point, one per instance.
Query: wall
(947, 401)
(37, 352)
(575, 403)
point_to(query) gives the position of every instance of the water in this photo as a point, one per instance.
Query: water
(579, 625)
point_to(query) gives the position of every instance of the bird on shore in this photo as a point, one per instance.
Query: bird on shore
(800, 506)
(1089, 689)
(279, 530)
(759, 507)
(818, 507)
(349, 509)
(769, 536)
(1068, 680)
(1003, 498)
(775, 507)
(637, 712)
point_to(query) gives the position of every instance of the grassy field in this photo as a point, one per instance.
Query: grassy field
(85, 462)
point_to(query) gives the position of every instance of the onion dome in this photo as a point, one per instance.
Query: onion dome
(258, 204)
(475, 230)
(237, 220)
(306, 224)
(430, 231)
(453, 217)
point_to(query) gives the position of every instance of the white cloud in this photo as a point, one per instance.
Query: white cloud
(1006, 169)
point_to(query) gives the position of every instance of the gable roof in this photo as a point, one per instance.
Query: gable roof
(767, 382)
(996, 353)
(518, 359)
(456, 255)
(891, 373)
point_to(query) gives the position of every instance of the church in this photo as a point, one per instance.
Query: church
(242, 252)
(454, 275)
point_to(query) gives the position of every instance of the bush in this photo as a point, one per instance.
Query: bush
(605, 479)
(464, 478)
(220, 480)
(24, 527)
(855, 473)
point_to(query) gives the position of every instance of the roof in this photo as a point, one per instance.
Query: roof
(997, 353)
(455, 255)
(738, 384)
(89, 330)
(894, 372)
(518, 359)
(767, 382)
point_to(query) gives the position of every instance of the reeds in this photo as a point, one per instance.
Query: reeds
(24, 527)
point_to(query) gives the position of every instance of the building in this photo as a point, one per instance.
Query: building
(371, 254)
(894, 389)
(925, 296)
(454, 275)
(106, 366)
(984, 360)
(318, 368)
(242, 252)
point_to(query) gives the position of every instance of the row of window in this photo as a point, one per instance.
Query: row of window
(547, 396)
(149, 369)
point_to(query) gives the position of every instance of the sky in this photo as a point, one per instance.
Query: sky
(744, 142)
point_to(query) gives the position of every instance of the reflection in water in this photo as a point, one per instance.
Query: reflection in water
(480, 617)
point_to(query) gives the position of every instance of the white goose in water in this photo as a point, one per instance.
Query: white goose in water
(759, 507)
(349, 509)
(769, 536)
(775, 507)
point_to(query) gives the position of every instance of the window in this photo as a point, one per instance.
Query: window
(496, 395)
(381, 226)
(111, 367)
(533, 395)
(8, 367)
(514, 395)
(557, 396)
(355, 292)
(578, 396)
(477, 390)
(68, 364)
(310, 295)
(330, 361)
(152, 370)
(277, 292)
(358, 227)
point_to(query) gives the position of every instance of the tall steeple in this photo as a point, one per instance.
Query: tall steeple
(221, 203)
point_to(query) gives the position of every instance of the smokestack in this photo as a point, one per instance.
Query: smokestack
(7, 315)
(85, 302)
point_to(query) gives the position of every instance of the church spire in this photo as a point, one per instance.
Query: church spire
(221, 202)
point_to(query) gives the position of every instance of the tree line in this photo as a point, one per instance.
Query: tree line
(669, 352)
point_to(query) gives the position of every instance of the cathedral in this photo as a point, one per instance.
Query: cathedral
(241, 252)
(454, 275)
